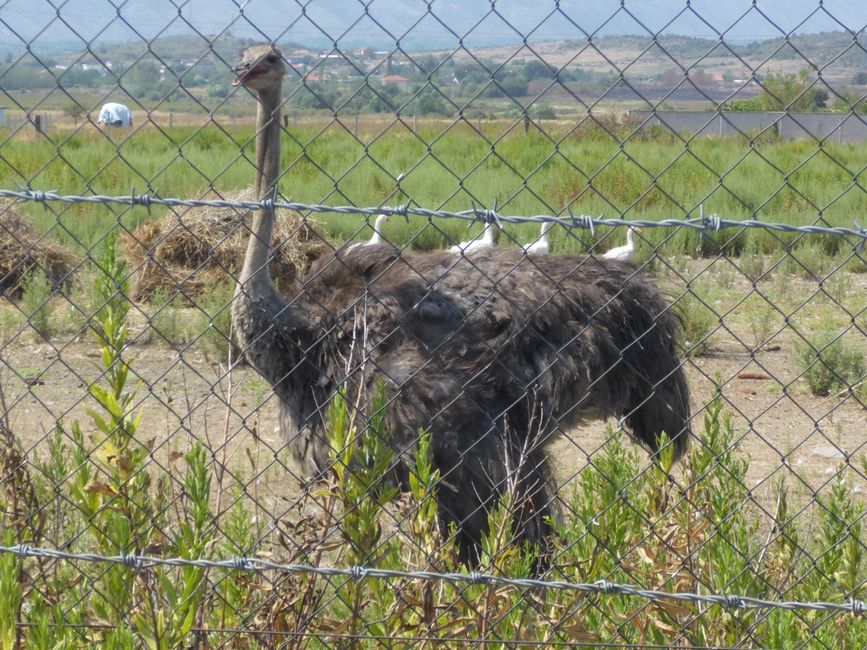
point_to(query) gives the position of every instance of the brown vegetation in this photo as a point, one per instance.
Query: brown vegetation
(23, 250)
(191, 251)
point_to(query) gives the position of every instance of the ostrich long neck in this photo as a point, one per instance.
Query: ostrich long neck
(267, 171)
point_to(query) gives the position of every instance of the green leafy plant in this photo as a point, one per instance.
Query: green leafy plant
(761, 317)
(830, 363)
(10, 596)
(214, 321)
(111, 485)
(166, 319)
(698, 322)
(37, 303)
(168, 621)
(752, 260)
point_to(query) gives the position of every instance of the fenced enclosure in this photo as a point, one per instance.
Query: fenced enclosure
(411, 429)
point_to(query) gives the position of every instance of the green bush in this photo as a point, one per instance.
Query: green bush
(166, 318)
(829, 362)
(762, 319)
(698, 322)
(812, 261)
(692, 528)
(37, 302)
(213, 323)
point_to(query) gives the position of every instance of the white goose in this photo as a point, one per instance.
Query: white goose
(623, 253)
(476, 245)
(377, 233)
(541, 245)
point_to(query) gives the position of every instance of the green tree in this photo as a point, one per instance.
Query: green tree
(544, 112)
(74, 110)
(143, 75)
(785, 92)
(429, 102)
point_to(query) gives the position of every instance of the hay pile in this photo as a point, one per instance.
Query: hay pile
(23, 250)
(192, 251)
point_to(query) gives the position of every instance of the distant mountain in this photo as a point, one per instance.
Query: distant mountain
(413, 23)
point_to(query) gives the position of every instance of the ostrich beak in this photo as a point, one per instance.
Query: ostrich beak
(244, 72)
(241, 73)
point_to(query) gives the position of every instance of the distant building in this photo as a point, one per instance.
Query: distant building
(296, 60)
(395, 80)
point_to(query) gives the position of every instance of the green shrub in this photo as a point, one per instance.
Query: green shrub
(213, 323)
(762, 318)
(752, 260)
(37, 302)
(829, 363)
(166, 318)
(812, 261)
(698, 322)
(11, 322)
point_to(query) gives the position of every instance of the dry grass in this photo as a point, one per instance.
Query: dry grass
(193, 250)
(23, 250)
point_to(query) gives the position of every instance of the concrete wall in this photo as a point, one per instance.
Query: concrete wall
(838, 127)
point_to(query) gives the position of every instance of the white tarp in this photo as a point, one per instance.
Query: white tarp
(112, 114)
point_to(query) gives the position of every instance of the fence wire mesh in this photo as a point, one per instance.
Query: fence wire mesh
(240, 408)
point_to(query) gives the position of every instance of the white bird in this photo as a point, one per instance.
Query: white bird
(623, 253)
(377, 233)
(476, 245)
(540, 246)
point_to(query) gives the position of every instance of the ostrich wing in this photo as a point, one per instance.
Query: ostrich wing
(480, 336)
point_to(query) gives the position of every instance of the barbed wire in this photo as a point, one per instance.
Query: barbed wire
(703, 222)
(600, 587)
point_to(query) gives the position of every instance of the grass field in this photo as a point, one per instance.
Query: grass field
(444, 165)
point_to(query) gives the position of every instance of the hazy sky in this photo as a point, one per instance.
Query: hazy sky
(378, 22)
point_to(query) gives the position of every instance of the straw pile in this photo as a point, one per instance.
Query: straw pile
(23, 250)
(192, 251)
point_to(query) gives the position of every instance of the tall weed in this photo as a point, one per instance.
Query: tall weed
(213, 323)
(166, 319)
(698, 321)
(829, 362)
(689, 527)
(37, 302)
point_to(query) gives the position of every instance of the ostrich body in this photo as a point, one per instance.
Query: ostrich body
(476, 245)
(493, 355)
(541, 245)
(623, 253)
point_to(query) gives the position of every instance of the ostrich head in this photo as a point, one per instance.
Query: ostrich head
(261, 68)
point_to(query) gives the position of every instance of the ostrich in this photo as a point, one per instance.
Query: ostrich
(476, 245)
(623, 253)
(494, 355)
(377, 232)
(540, 246)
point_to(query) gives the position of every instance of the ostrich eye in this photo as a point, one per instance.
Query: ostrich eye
(271, 58)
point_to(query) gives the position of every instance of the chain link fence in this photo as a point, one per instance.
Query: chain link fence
(374, 366)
